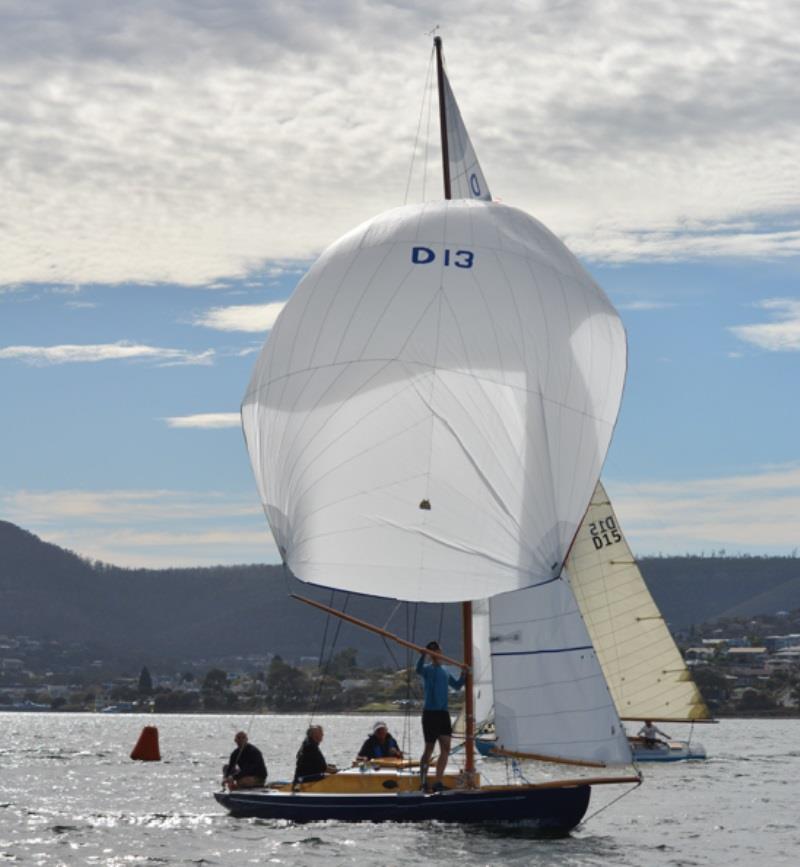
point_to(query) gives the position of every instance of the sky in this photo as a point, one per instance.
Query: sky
(170, 169)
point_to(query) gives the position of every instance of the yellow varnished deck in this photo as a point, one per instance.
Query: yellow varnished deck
(375, 778)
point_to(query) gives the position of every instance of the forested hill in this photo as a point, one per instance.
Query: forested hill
(49, 593)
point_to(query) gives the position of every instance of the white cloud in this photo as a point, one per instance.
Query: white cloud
(242, 317)
(780, 336)
(147, 528)
(116, 505)
(185, 142)
(644, 305)
(755, 513)
(205, 420)
(89, 353)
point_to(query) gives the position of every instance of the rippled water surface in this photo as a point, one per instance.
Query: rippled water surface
(69, 794)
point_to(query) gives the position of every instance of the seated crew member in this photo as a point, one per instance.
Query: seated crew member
(245, 768)
(649, 734)
(311, 764)
(379, 745)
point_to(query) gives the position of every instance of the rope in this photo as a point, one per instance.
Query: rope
(425, 89)
(324, 669)
(610, 803)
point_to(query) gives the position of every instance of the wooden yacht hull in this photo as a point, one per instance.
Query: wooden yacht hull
(551, 811)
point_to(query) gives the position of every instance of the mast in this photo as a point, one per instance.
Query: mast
(466, 607)
(437, 41)
(469, 697)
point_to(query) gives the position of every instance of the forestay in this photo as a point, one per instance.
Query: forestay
(430, 414)
(550, 696)
(466, 178)
(644, 668)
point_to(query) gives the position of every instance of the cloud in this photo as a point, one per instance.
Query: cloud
(644, 305)
(749, 513)
(147, 528)
(123, 350)
(242, 317)
(113, 505)
(780, 336)
(188, 142)
(205, 420)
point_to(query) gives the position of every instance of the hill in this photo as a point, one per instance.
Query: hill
(49, 593)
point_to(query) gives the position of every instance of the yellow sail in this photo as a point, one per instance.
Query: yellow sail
(645, 671)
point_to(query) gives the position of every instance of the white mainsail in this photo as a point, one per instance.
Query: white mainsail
(466, 177)
(429, 416)
(644, 668)
(482, 662)
(550, 696)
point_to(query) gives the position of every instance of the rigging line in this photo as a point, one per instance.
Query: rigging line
(441, 622)
(326, 669)
(427, 138)
(425, 91)
(321, 657)
(391, 615)
(619, 798)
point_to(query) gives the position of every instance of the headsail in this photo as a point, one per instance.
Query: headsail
(551, 698)
(430, 414)
(645, 670)
(466, 177)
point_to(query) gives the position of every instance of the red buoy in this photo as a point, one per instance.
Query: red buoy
(146, 749)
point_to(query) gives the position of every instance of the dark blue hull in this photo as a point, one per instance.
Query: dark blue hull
(553, 812)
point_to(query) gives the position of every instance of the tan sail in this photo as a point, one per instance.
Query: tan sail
(645, 671)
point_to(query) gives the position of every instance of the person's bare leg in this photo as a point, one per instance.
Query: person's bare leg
(423, 764)
(444, 753)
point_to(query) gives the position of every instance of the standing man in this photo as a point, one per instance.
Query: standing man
(436, 724)
(245, 768)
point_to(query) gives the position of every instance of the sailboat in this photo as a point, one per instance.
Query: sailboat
(427, 422)
(642, 665)
(645, 670)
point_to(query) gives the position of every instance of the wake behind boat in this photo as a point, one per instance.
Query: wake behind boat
(427, 422)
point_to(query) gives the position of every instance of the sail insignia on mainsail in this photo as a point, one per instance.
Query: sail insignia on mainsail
(645, 670)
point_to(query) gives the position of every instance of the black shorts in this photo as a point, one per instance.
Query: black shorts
(436, 724)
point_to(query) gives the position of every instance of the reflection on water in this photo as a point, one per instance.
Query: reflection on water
(70, 795)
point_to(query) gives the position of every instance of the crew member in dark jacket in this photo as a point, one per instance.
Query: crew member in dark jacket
(246, 768)
(379, 745)
(311, 764)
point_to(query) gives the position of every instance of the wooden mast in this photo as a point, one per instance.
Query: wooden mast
(466, 607)
(437, 41)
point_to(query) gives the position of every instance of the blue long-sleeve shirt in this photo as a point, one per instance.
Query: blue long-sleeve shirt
(436, 680)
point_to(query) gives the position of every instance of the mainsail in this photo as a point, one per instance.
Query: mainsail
(429, 416)
(644, 669)
(466, 178)
(551, 698)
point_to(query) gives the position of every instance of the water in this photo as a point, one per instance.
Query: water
(69, 795)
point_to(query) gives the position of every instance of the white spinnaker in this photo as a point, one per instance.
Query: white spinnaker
(452, 355)
(550, 696)
(481, 663)
(466, 177)
(644, 668)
